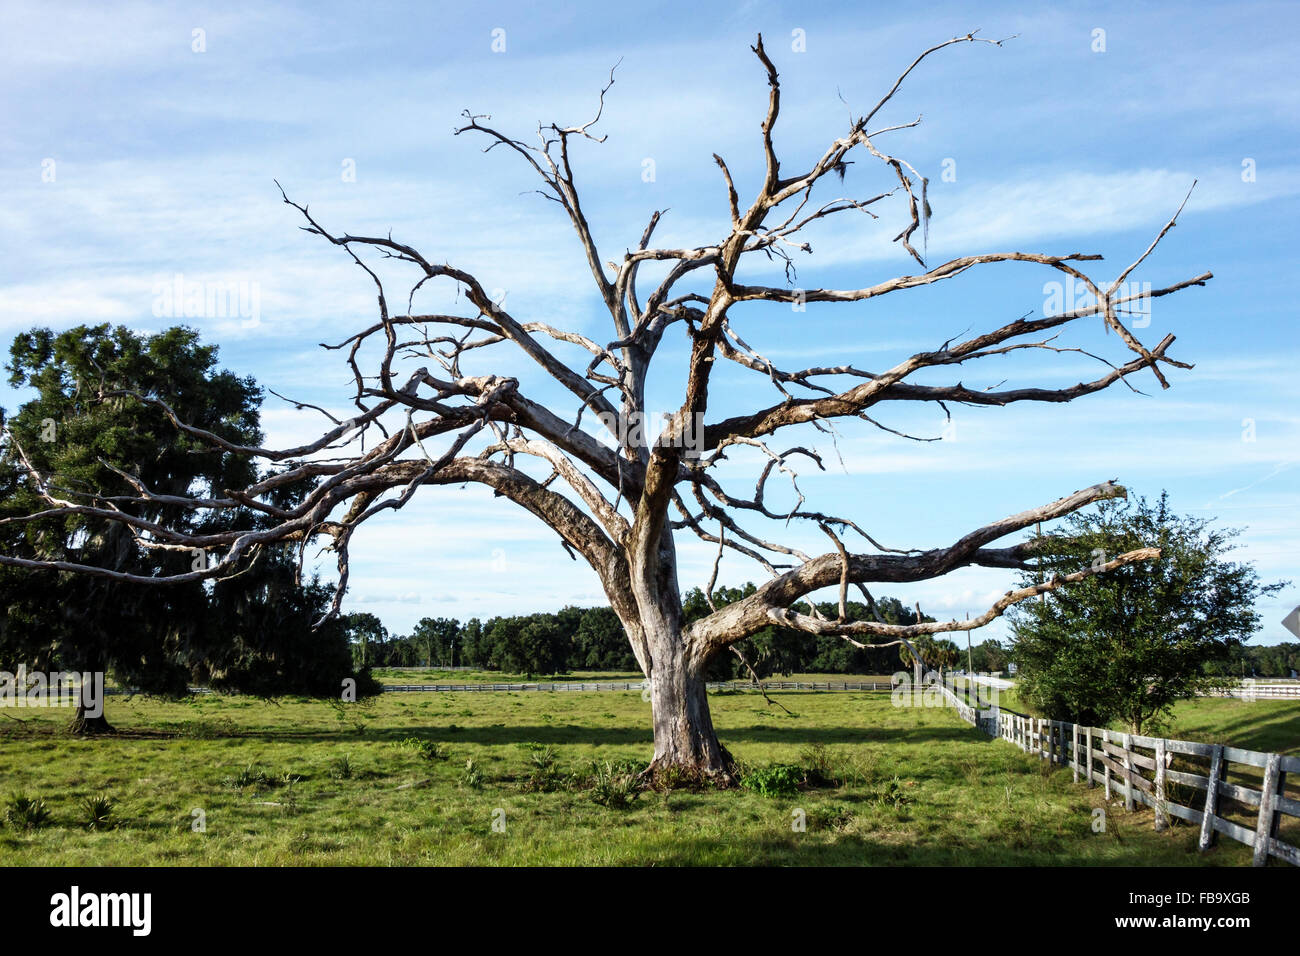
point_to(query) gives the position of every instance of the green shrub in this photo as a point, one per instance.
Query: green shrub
(26, 813)
(251, 776)
(471, 776)
(341, 767)
(425, 749)
(674, 778)
(893, 794)
(778, 780)
(820, 765)
(615, 785)
(97, 813)
(832, 816)
(544, 776)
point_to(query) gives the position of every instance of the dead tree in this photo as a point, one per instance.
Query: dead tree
(622, 504)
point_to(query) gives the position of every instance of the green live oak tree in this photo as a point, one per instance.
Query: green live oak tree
(85, 446)
(1126, 646)
(93, 447)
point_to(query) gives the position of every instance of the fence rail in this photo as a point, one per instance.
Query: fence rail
(1145, 769)
(1269, 691)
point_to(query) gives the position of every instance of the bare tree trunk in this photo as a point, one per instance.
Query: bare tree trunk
(687, 749)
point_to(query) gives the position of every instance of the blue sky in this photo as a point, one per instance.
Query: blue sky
(128, 157)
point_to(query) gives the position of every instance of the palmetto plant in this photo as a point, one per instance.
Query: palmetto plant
(26, 813)
(97, 812)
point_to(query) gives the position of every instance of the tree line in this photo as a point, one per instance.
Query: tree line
(592, 639)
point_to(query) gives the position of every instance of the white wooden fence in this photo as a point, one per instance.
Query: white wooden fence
(1118, 761)
(1273, 690)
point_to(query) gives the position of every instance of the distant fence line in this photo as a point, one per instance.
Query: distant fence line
(1242, 692)
(1117, 760)
(590, 686)
(1246, 691)
(1270, 691)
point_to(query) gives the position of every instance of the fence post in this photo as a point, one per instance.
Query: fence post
(1105, 739)
(1162, 815)
(1128, 774)
(1051, 741)
(1267, 803)
(1208, 833)
(1088, 734)
(1074, 749)
(1281, 789)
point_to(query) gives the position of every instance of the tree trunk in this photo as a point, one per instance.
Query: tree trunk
(687, 750)
(86, 725)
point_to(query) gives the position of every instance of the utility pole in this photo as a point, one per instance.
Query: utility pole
(1038, 533)
(916, 662)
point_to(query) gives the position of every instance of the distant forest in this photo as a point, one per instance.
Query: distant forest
(592, 639)
(578, 639)
(584, 639)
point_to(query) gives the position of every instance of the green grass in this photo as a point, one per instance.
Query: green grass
(1271, 726)
(298, 782)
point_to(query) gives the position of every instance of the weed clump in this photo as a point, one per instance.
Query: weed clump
(26, 813)
(615, 785)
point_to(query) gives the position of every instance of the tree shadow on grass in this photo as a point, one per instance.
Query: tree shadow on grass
(610, 736)
(864, 850)
(1252, 731)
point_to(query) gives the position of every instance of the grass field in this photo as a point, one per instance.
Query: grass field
(300, 782)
